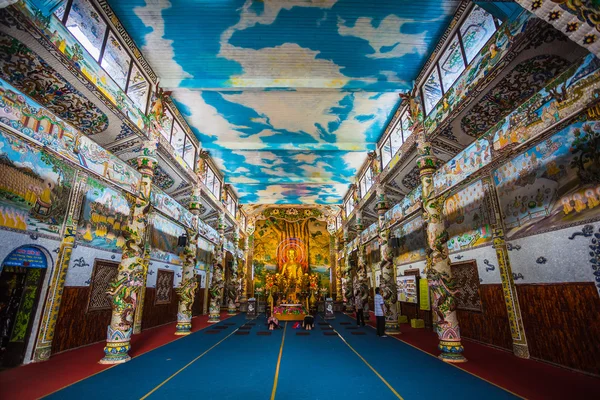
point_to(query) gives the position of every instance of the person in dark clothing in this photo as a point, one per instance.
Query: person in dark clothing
(360, 316)
(380, 313)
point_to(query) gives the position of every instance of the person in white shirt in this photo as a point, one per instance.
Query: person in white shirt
(380, 313)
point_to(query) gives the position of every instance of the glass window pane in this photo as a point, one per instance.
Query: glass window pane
(87, 26)
(217, 187)
(476, 31)
(386, 155)
(396, 139)
(432, 91)
(138, 88)
(210, 177)
(115, 60)
(406, 129)
(189, 154)
(178, 138)
(451, 63)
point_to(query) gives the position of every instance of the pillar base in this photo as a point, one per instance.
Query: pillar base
(183, 328)
(231, 311)
(521, 350)
(391, 328)
(213, 319)
(116, 353)
(42, 354)
(451, 351)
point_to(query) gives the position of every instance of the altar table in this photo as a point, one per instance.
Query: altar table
(290, 312)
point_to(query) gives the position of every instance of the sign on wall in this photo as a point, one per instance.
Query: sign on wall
(29, 257)
(407, 288)
(424, 303)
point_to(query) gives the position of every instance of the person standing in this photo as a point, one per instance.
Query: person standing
(360, 316)
(380, 313)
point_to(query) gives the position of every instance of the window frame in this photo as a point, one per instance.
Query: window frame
(388, 137)
(456, 33)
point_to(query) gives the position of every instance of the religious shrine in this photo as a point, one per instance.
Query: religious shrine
(299, 199)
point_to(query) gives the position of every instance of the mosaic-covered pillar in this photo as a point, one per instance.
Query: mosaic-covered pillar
(132, 269)
(218, 284)
(189, 283)
(141, 294)
(439, 274)
(348, 284)
(233, 286)
(388, 285)
(509, 289)
(43, 347)
(338, 271)
(361, 288)
(244, 276)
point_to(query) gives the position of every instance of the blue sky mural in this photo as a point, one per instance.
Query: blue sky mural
(288, 96)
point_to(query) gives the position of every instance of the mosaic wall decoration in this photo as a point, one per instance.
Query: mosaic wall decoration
(413, 244)
(164, 286)
(409, 204)
(60, 37)
(305, 96)
(467, 218)
(33, 76)
(370, 233)
(208, 232)
(167, 205)
(553, 184)
(104, 273)
(163, 240)
(34, 187)
(105, 213)
(525, 80)
(24, 115)
(467, 281)
(563, 97)
(471, 159)
(489, 56)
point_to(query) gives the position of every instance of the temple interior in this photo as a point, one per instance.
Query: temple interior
(299, 199)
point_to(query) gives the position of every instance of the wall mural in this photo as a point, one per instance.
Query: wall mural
(85, 64)
(34, 187)
(291, 248)
(314, 108)
(467, 218)
(32, 75)
(163, 240)
(170, 207)
(24, 115)
(553, 184)
(104, 216)
(471, 159)
(412, 241)
(409, 204)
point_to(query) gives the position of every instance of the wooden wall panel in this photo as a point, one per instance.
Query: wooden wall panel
(75, 327)
(198, 302)
(489, 326)
(562, 325)
(158, 314)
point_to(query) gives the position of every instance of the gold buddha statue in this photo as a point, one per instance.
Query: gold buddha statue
(291, 268)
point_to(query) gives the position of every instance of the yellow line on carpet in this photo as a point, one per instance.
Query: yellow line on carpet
(274, 391)
(114, 365)
(369, 365)
(451, 364)
(187, 365)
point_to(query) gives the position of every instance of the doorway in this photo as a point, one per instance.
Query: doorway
(21, 279)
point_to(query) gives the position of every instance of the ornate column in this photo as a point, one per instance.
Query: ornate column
(348, 285)
(244, 278)
(132, 270)
(217, 285)
(189, 283)
(389, 288)
(43, 347)
(338, 271)
(517, 330)
(439, 274)
(141, 293)
(233, 291)
(361, 288)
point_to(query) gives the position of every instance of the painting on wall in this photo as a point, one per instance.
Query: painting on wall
(553, 184)
(163, 240)
(412, 241)
(20, 113)
(291, 247)
(171, 207)
(104, 215)
(410, 203)
(467, 218)
(471, 159)
(34, 187)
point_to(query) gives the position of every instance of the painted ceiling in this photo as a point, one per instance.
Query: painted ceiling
(287, 96)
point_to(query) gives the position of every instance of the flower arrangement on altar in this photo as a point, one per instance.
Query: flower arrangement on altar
(313, 282)
(289, 310)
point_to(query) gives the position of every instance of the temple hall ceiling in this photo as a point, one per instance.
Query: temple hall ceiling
(287, 96)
